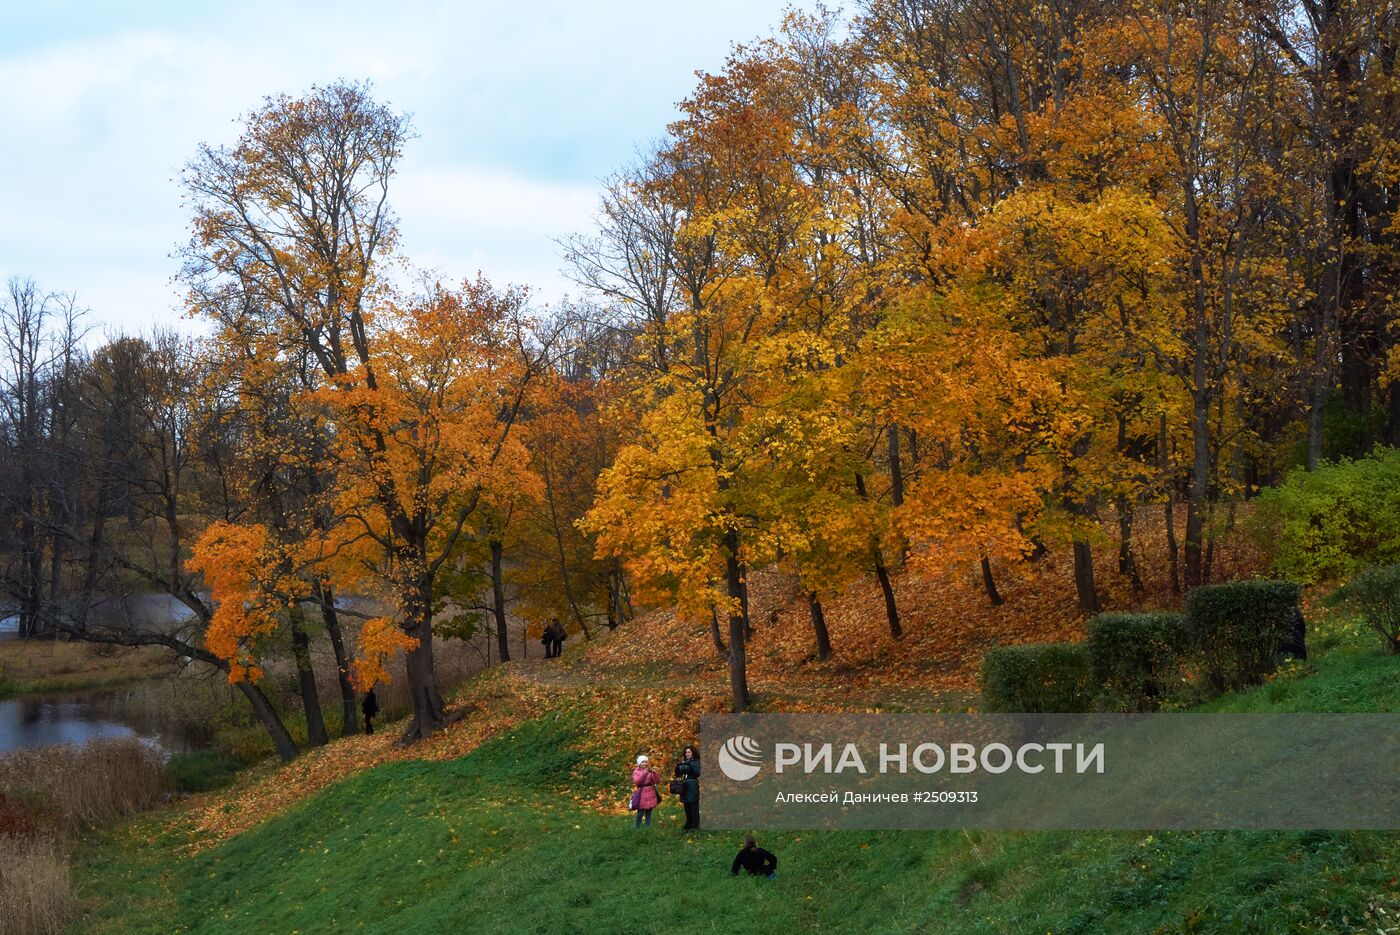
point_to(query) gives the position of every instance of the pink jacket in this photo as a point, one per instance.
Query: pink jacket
(646, 780)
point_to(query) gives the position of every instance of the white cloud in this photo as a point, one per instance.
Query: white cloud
(520, 111)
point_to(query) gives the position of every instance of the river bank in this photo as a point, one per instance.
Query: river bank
(32, 666)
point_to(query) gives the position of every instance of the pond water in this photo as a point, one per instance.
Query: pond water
(158, 711)
(162, 712)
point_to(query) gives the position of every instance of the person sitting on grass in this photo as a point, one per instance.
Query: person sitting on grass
(754, 859)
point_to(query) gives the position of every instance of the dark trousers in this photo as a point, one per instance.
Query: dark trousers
(369, 724)
(692, 815)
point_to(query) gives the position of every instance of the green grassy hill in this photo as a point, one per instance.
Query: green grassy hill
(487, 843)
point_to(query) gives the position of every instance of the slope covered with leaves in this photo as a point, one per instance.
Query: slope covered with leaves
(496, 841)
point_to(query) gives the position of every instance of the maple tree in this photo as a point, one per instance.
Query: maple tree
(421, 391)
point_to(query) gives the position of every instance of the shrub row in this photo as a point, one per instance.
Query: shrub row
(1233, 633)
(1036, 678)
(1136, 658)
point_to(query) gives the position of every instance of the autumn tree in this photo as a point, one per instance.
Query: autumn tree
(422, 391)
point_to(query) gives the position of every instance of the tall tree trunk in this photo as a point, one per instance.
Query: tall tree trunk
(52, 605)
(897, 485)
(989, 583)
(498, 600)
(1084, 577)
(738, 669)
(429, 712)
(267, 715)
(1392, 436)
(1200, 387)
(891, 610)
(1169, 515)
(1196, 501)
(306, 678)
(1127, 561)
(1317, 401)
(814, 608)
(349, 716)
(744, 601)
(618, 582)
(881, 573)
(94, 546)
(716, 635)
(30, 564)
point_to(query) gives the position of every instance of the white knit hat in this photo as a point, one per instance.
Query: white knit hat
(642, 760)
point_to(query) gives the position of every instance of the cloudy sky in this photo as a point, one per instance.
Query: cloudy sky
(520, 109)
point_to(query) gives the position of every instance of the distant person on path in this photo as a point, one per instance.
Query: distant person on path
(688, 776)
(370, 707)
(645, 796)
(560, 635)
(754, 859)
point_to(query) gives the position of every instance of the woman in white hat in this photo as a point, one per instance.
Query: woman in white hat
(645, 795)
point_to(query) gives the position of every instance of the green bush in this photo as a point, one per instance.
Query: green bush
(1375, 595)
(1037, 678)
(202, 770)
(1327, 524)
(1135, 658)
(1239, 628)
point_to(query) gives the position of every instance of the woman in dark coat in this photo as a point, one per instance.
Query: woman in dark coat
(370, 707)
(688, 771)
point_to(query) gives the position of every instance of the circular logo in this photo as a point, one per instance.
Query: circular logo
(740, 758)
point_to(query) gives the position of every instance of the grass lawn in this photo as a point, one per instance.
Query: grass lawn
(485, 843)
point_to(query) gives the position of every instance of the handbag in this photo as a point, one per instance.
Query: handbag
(635, 800)
(677, 787)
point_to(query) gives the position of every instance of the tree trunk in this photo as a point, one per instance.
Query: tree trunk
(891, 610)
(814, 607)
(881, 573)
(349, 714)
(897, 485)
(306, 678)
(498, 600)
(429, 712)
(262, 708)
(53, 606)
(716, 635)
(30, 563)
(1196, 502)
(738, 671)
(1169, 514)
(617, 595)
(989, 583)
(1084, 578)
(1127, 561)
(744, 601)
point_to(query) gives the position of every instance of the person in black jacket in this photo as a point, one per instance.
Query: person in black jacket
(370, 707)
(755, 860)
(688, 772)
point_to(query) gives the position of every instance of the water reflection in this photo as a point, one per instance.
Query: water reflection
(170, 713)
